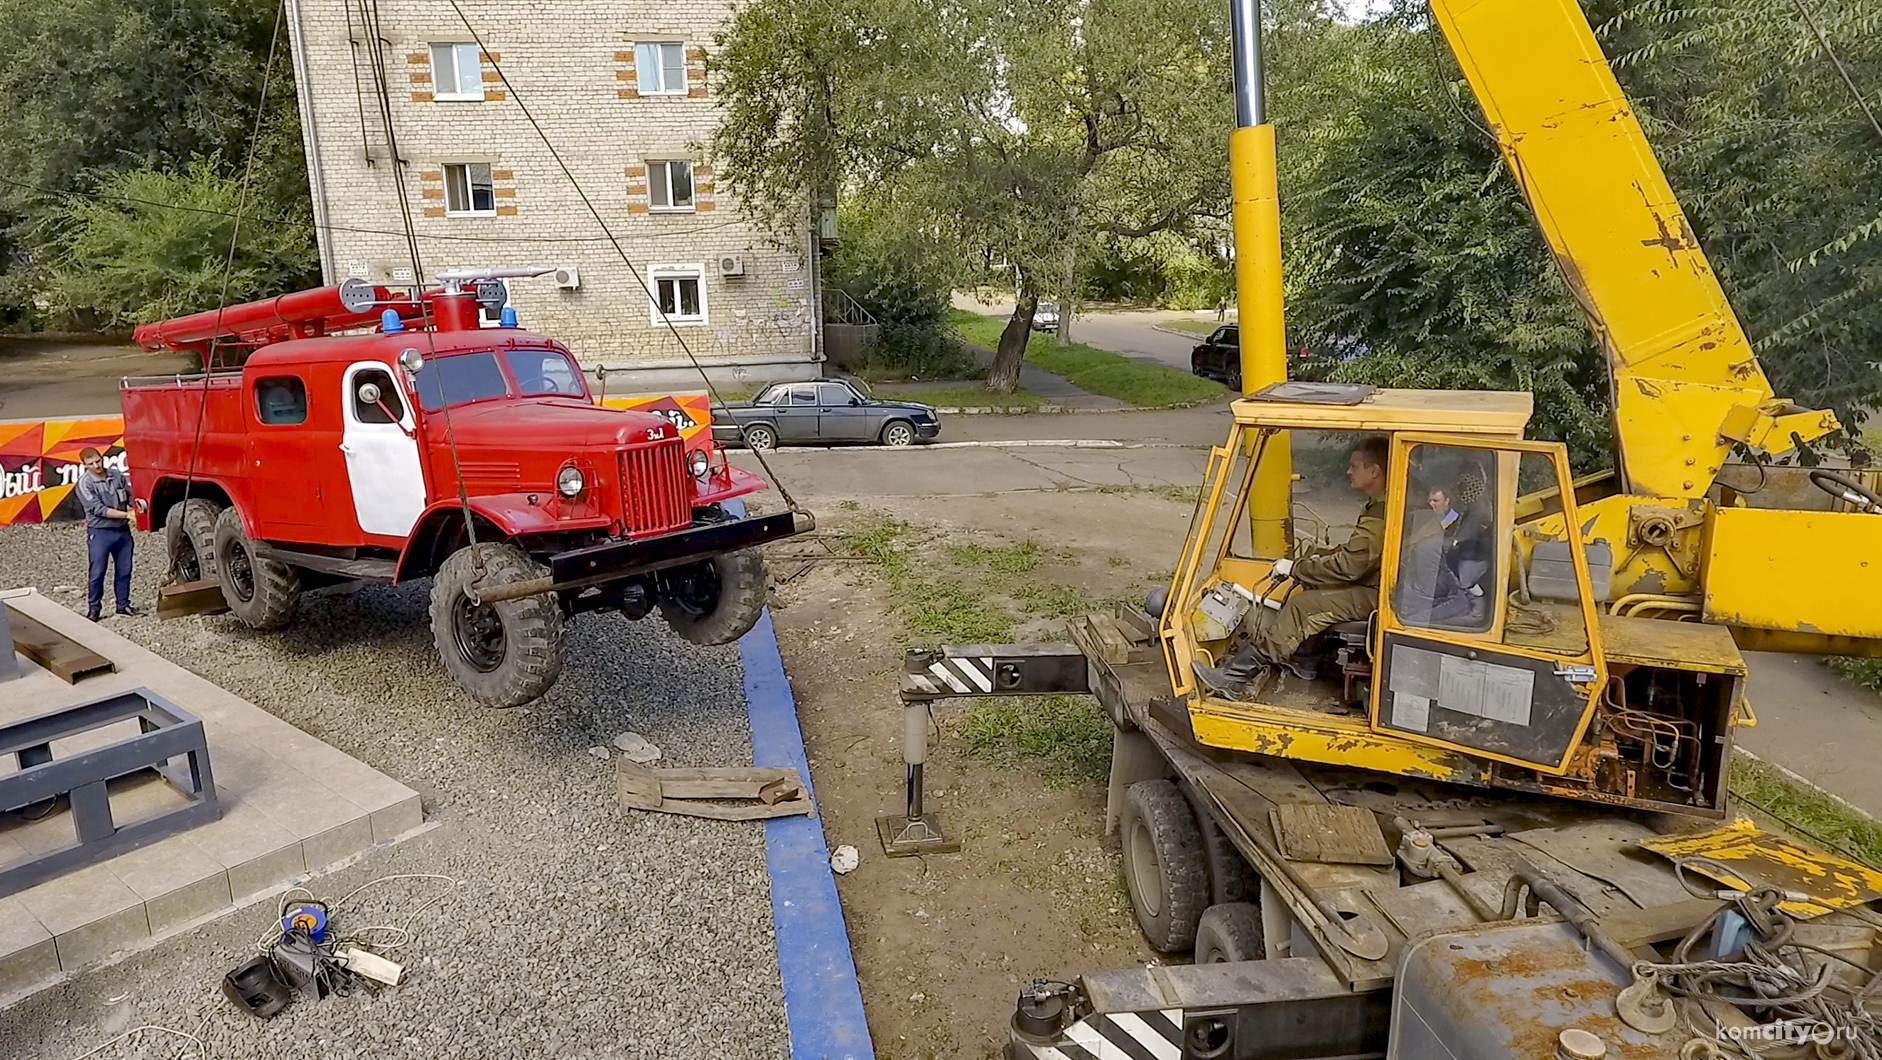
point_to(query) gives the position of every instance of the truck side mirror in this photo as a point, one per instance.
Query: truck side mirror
(369, 393)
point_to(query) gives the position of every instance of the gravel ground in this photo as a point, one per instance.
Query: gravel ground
(579, 930)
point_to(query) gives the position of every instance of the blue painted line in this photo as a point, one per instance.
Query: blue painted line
(823, 1003)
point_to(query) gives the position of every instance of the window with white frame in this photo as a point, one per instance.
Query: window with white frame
(679, 293)
(469, 191)
(661, 67)
(670, 185)
(456, 72)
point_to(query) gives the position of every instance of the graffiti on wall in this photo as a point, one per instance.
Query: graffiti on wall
(39, 465)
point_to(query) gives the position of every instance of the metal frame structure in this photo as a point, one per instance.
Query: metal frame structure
(168, 733)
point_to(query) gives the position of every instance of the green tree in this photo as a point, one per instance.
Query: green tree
(154, 244)
(1012, 133)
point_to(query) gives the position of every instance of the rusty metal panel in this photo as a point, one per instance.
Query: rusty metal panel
(1802, 571)
(1742, 855)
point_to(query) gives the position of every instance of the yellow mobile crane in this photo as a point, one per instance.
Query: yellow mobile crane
(1567, 650)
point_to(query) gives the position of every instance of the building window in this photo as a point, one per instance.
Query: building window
(670, 185)
(469, 191)
(679, 293)
(661, 67)
(456, 72)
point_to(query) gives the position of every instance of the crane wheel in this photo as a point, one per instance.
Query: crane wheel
(1230, 877)
(717, 600)
(189, 531)
(502, 654)
(263, 593)
(1164, 866)
(1228, 932)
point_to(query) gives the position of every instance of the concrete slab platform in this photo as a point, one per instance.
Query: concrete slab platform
(291, 806)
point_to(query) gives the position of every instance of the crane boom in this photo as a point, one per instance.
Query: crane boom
(1685, 382)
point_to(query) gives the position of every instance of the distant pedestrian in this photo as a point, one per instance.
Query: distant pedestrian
(1221, 308)
(105, 494)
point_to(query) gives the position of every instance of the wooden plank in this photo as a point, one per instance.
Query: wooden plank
(204, 597)
(1341, 835)
(779, 791)
(55, 651)
(1113, 646)
(1636, 927)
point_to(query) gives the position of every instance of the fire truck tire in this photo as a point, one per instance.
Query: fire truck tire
(1230, 877)
(715, 601)
(262, 592)
(189, 531)
(503, 654)
(1164, 867)
(1228, 932)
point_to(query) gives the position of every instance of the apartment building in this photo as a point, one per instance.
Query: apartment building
(621, 90)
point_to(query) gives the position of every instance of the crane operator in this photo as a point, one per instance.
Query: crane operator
(1335, 585)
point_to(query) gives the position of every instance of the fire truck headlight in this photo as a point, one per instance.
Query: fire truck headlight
(569, 481)
(701, 463)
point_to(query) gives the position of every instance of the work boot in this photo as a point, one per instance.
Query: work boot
(1228, 680)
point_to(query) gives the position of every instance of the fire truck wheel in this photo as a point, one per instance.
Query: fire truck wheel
(1230, 932)
(262, 592)
(714, 601)
(1164, 867)
(504, 653)
(190, 532)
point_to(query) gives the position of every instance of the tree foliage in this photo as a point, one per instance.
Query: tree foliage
(98, 88)
(1012, 133)
(120, 259)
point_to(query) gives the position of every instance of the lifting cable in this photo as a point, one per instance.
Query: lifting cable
(375, 46)
(228, 269)
(517, 98)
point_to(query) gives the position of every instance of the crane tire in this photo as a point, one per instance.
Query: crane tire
(1230, 931)
(189, 531)
(1230, 877)
(716, 600)
(502, 654)
(1164, 867)
(263, 593)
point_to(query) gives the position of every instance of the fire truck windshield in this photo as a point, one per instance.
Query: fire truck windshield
(540, 372)
(460, 378)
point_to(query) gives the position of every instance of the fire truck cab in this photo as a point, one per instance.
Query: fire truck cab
(371, 436)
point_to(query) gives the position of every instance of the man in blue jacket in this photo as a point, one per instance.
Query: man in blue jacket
(105, 494)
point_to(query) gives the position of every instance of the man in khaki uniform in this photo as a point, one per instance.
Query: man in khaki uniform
(1335, 585)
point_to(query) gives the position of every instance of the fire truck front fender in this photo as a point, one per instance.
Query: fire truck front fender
(440, 530)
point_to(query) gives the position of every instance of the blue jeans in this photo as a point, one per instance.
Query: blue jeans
(108, 543)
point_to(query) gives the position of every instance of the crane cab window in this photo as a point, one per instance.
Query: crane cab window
(281, 400)
(388, 397)
(1447, 571)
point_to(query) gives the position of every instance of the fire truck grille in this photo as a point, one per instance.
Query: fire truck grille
(656, 491)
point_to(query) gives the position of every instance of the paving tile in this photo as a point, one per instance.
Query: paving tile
(302, 806)
(91, 914)
(177, 881)
(257, 852)
(397, 819)
(19, 928)
(11, 853)
(29, 966)
(55, 831)
(338, 843)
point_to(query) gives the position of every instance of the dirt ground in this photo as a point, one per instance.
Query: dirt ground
(54, 377)
(943, 943)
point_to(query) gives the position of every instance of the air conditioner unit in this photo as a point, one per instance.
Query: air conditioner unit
(568, 277)
(731, 265)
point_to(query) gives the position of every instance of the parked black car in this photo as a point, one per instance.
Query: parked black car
(1219, 357)
(828, 410)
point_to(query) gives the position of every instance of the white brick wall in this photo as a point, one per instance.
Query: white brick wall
(573, 65)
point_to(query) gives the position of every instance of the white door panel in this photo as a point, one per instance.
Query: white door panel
(382, 458)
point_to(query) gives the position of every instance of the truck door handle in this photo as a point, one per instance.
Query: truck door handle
(345, 448)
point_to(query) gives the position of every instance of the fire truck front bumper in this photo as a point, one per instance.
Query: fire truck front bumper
(613, 560)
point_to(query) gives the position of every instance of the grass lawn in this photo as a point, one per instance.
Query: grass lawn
(1199, 326)
(1099, 371)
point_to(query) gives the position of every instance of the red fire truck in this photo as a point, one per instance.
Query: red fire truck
(420, 443)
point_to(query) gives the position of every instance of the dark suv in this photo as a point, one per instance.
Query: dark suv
(1219, 357)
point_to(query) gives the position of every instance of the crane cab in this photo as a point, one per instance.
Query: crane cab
(1480, 653)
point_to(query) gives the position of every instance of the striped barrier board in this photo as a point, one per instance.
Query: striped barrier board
(1153, 1035)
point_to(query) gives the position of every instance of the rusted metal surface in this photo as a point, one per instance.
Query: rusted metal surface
(1744, 856)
